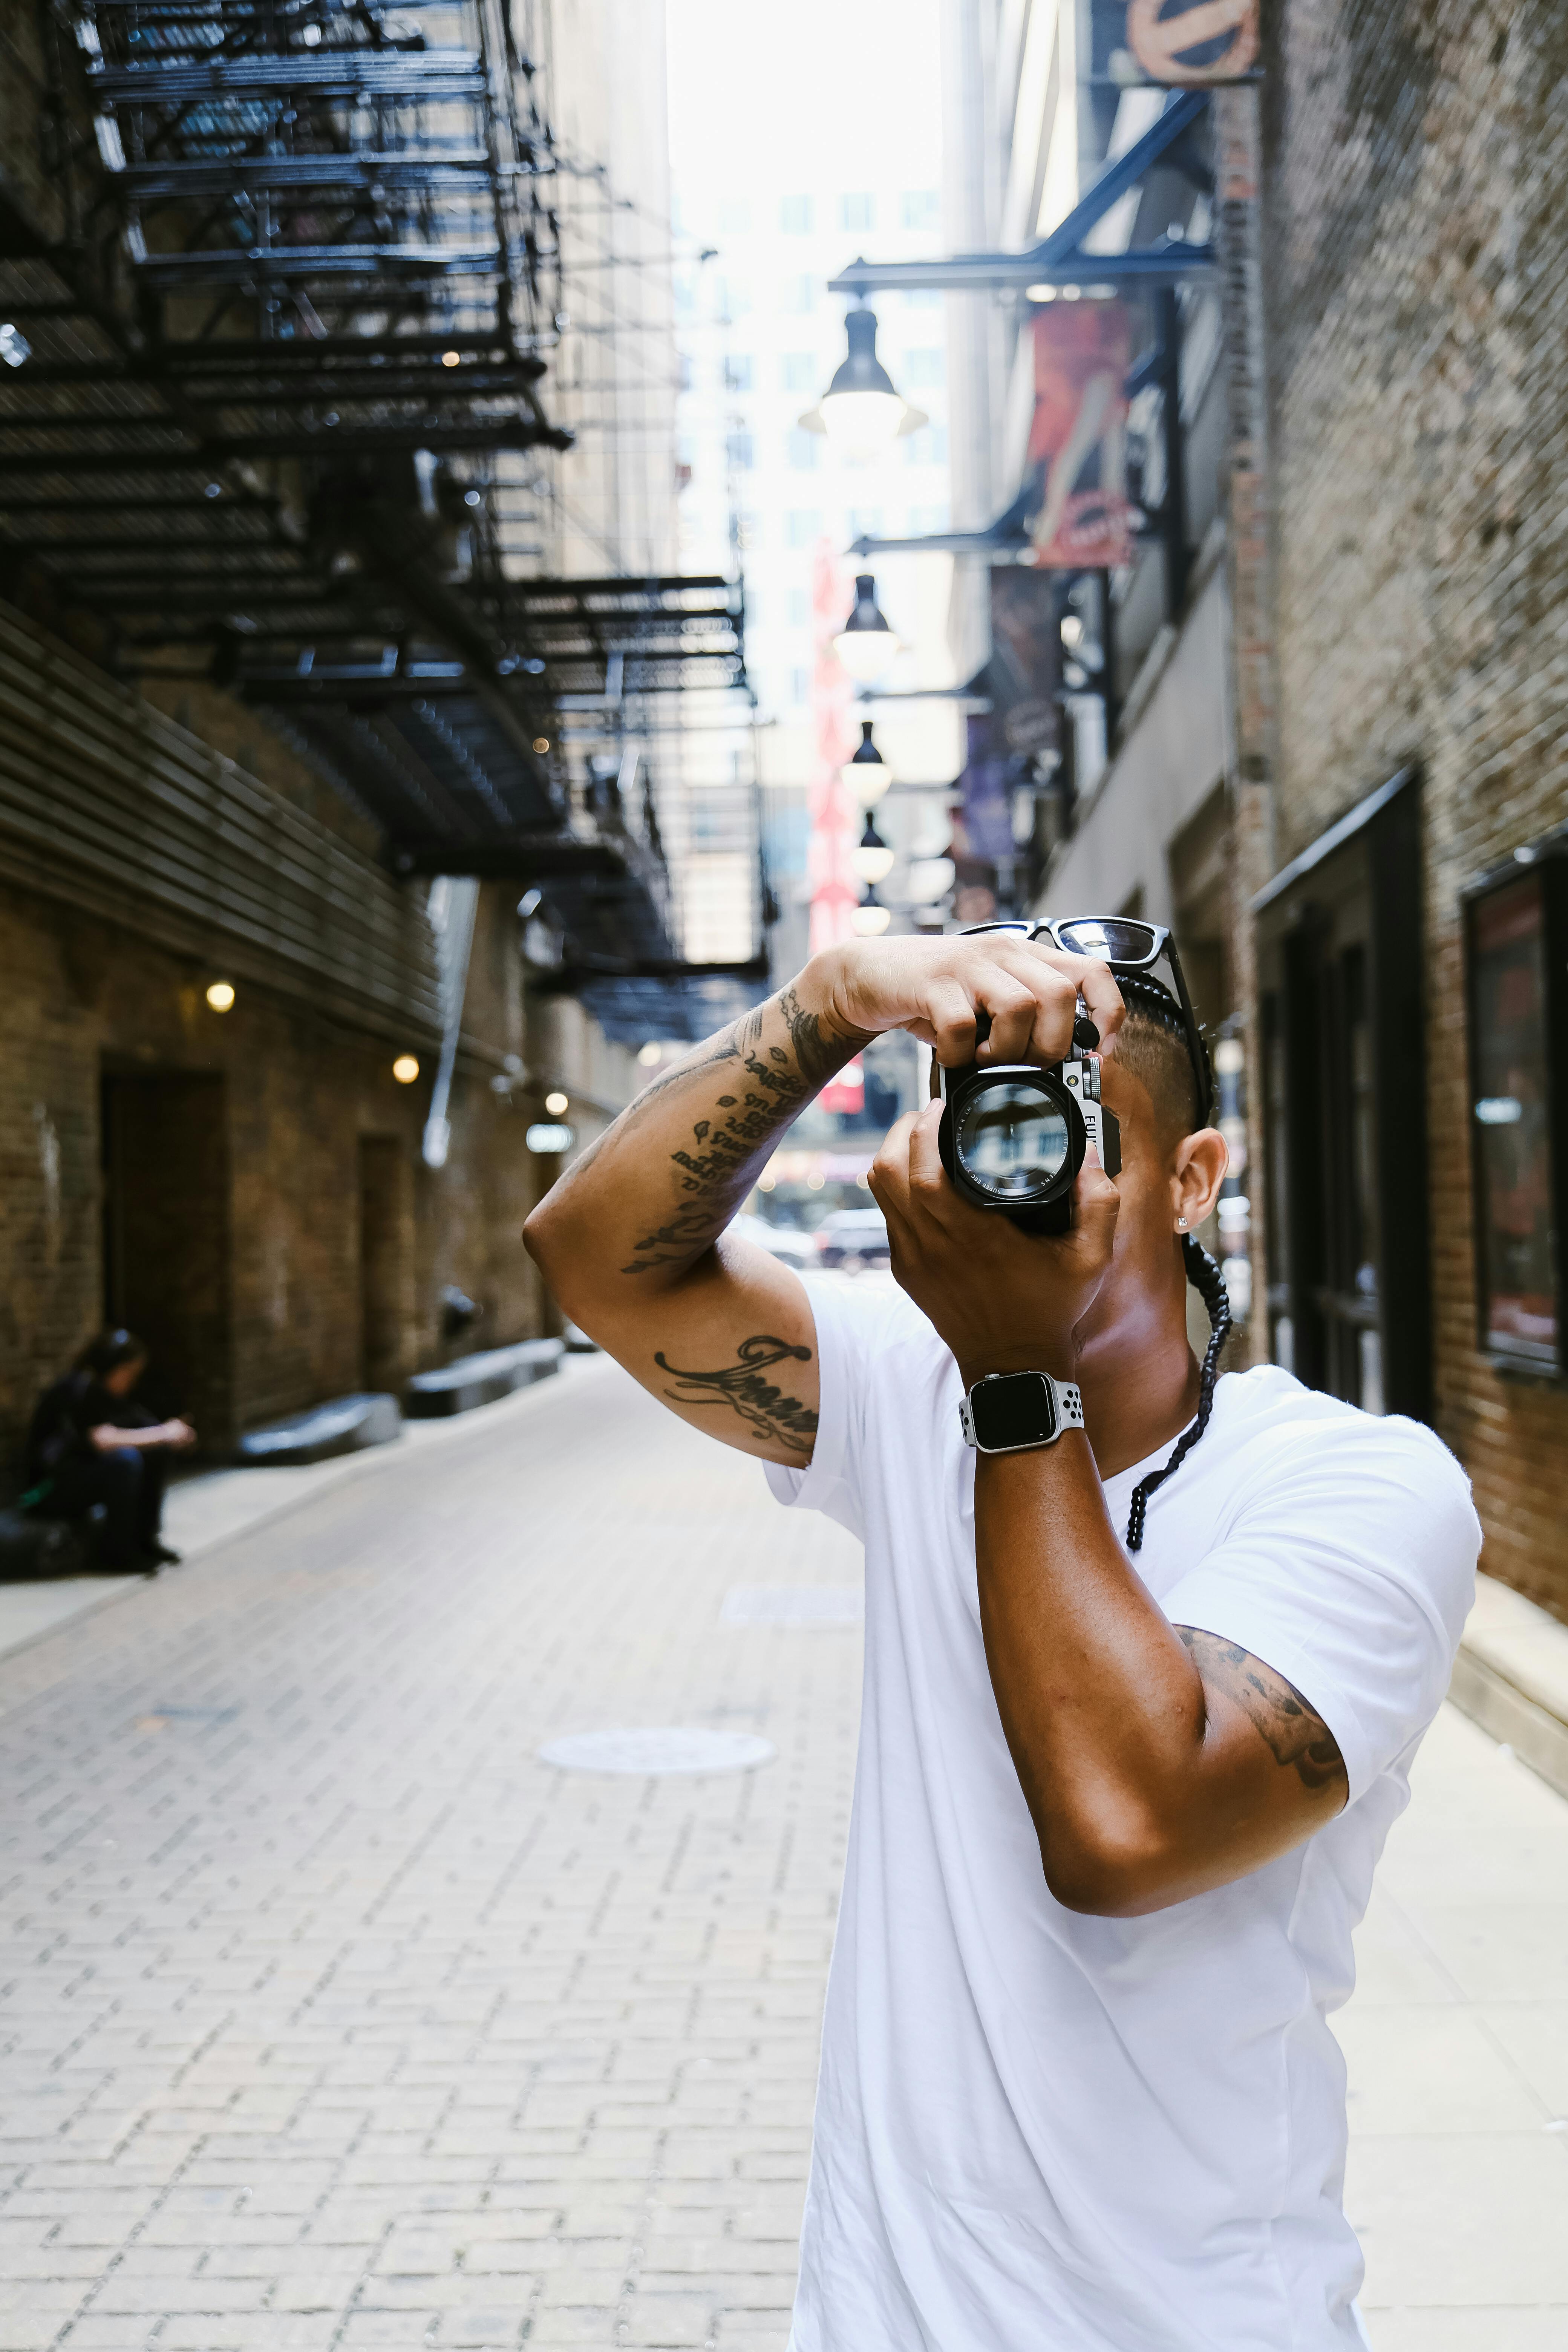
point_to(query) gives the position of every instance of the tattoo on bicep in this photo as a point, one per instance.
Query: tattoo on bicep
(1297, 1735)
(781, 1419)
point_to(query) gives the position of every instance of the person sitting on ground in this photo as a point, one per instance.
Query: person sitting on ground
(91, 1446)
(1136, 1720)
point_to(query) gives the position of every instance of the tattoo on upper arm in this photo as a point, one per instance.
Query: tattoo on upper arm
(1296, 1733)
(783, 1420)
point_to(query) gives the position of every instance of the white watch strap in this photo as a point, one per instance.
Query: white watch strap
(1066, 1395)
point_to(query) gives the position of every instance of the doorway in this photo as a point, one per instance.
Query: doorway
(386, 1262)
(167, 1244)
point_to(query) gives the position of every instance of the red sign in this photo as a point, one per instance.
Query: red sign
(1193, 42)
(1082, 519)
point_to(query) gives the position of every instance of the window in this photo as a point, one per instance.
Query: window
(794, 215)
(921, 208)
(865, 523)
(799, 687)
(925, 367)
(734, 297)
(740, 451)
(735, 217)
(923, 297)
(797, 296)
(1517, 939)
(799, 609)
(737, 374)
(924, 519)
(800, 370)
(855, 212)
(801, 450)
(745, 531)
(803, 526)
(926, 448)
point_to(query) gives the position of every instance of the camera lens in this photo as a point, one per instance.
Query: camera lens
(1012, 1140)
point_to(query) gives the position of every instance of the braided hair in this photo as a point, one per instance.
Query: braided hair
(1209, 1283)
(1147, 999)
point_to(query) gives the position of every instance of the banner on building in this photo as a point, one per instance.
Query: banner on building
(1025, 647)
(1194, 43)
(1080, 517)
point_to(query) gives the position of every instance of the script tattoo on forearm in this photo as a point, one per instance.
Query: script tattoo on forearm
(1297, 1735)
(772, 1083)
(781, 1419)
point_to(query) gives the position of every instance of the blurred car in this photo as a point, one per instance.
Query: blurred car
(853, 1238)
(787, 1243)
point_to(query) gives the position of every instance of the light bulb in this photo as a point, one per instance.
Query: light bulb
(405, 1069)
(220, 995)
(866, 645)
(862, 424)
(872, 866)
(557, 1104)
(870, 920)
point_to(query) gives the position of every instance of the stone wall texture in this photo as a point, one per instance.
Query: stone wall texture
(1415, 162)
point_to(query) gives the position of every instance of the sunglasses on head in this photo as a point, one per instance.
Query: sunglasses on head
(1127, 944)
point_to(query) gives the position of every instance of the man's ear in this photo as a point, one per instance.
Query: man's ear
(1202, 1161)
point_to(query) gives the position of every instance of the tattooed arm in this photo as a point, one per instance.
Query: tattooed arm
(630, 1239)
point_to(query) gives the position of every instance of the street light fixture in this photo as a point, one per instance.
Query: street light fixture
(865, 643)
(866, 775)
(870, 917)
(862, 412)
(873, 860)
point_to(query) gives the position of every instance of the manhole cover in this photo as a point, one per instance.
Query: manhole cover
(679, 1748)
(793, 1604)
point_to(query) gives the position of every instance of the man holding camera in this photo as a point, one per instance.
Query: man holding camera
(1136, 1719)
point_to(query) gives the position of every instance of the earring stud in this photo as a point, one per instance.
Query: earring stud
(1181, 1225)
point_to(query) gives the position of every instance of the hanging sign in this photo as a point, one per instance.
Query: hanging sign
(1082, 519)
(1026, 647)
(1193, 42)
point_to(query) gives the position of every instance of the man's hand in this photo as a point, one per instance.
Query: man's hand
(935, 989)
(1004, 1301)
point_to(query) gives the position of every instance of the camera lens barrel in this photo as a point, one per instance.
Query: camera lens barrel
(1012, 1138)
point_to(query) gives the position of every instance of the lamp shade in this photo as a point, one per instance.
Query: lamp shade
(870, 917)
(866, 775)
(866, 645)
(872, 860)
(860, 410)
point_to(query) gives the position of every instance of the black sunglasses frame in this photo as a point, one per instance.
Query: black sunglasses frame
(1163, 945)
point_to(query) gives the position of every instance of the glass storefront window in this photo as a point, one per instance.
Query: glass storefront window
(1517, 1235)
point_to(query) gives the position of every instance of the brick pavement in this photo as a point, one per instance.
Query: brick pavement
(331, 2017)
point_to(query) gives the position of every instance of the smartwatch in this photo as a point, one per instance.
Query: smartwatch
(1008, 1413)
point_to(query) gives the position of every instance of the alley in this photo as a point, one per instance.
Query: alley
(334, 2017)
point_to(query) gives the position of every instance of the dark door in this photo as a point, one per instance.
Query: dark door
(1345, 1048)
(385, 1254)
(166, 1247)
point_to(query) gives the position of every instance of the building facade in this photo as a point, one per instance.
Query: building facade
(1332, 756)
(346, 826)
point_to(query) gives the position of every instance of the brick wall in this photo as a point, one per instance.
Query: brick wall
(297, 1094)
(1418, 288)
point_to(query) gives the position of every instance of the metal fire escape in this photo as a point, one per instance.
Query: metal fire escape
(279, 346)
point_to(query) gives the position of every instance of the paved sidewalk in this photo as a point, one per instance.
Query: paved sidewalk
(334, 2018)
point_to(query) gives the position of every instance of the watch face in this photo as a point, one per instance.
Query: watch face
(1018, 1410)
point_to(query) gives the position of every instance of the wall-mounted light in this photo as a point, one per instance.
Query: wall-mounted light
(557, 1104)
(451, 359)
(651, 1054)
(865, 643)
(541, 744)
(220, 995)
(862, 411)
(405, 1069)
(866, 776)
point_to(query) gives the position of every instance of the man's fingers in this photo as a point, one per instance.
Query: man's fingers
(927, 1176)
(1094, 983)
(890, 1174)
(949, 1014)
(1012, 1005)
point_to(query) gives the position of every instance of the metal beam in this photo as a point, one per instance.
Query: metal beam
(352, 441)
(177, 273)
(439, 74)
(1158, 265)
(363, 174)
(1041, 264)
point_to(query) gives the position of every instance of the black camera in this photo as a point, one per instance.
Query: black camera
(1014, 1134)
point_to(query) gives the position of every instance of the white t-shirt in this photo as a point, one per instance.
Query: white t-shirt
(1042, 2132)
